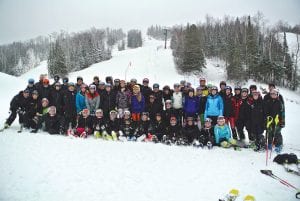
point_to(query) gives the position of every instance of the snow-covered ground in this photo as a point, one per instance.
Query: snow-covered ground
(45, 167)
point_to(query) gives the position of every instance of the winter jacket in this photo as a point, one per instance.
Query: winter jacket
(53, 124)
(191, 105)
(159, 129)
(44, 92)
(190, 133)
(206, 135)
(85, 122)
(146, 91)
(99, 124)
(228, 101)
(244, 113)
(222, 133)
(69, 100)
(273, 108)
(167, 114)
(56, 99)
(19, 102)
(214, 106)
(257, 122)
(123, 99)
(112, 125)
(127, 127)
(137, 106)
(177, 100)
(80, 102)
(173, 132)
(237, 102)
(92, 101)
(144, 127)
(108, 102)
(153, 108)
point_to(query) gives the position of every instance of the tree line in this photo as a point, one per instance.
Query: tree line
(250, 49)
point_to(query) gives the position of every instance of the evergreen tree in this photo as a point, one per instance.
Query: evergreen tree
(193, 57)
(57, 64)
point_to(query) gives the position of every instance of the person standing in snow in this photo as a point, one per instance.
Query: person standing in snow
(177, 103)
(214, 106)
(137, 104)
(69, 100)
(275, 110)
(80, 98)
(92, 99)
(123, 99)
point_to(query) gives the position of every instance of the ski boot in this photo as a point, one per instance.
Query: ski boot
(97, 134)
(114, 136)
(83, 135)
(209, 145)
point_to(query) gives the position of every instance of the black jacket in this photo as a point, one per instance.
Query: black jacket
(190, 132)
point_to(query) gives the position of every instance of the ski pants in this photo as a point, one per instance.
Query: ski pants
(13, 115)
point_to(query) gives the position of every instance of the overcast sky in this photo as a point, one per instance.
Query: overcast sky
(24, 19)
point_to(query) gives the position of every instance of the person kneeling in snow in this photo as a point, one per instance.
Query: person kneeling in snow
(143, 131)
(207, 134)
(190, 132)
(126, 127)
(222, 133)
(84, 125)
(54, 123)
(98, 123)
(111, 127)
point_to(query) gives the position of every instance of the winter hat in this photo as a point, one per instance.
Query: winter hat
(79, 78)
(35, 92)
(155, 85)
(92, 86)
(176, 85)
(133, 80)
(71, 84)
(31, 81)
(56, 78)
(146, 80)
(65, 80)
(245, 90)
(274, 91)
(45, 100)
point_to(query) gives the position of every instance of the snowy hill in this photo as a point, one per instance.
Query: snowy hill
(45, 167)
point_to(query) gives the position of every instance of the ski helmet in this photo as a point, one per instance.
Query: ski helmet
(92, 87)
(30, 81)
(155, 86)
(56, 78)
(145, 80)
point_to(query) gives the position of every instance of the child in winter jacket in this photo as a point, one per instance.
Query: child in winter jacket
(84, 124)
(80, 99)
(98, 123)
(222, 131)
(207, 136)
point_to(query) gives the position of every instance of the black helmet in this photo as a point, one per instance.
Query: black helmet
(56, 78)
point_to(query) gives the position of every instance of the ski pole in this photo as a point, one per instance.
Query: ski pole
(276, 120)
(269, 122)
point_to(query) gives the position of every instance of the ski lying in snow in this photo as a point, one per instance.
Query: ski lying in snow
(231, 196)
(269, 173)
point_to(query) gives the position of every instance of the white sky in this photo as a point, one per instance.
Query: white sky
(24, 19)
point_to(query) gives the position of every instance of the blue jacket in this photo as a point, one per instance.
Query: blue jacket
(191, 105)
(214, 106)
(137, 106)
(222, 132)
(80, 102)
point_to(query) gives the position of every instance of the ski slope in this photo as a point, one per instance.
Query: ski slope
(45, 168)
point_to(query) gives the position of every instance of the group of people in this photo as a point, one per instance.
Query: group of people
(120, 110)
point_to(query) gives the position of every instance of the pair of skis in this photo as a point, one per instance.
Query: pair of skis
(234, 194)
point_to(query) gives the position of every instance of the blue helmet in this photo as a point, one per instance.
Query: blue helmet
(30, 81)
